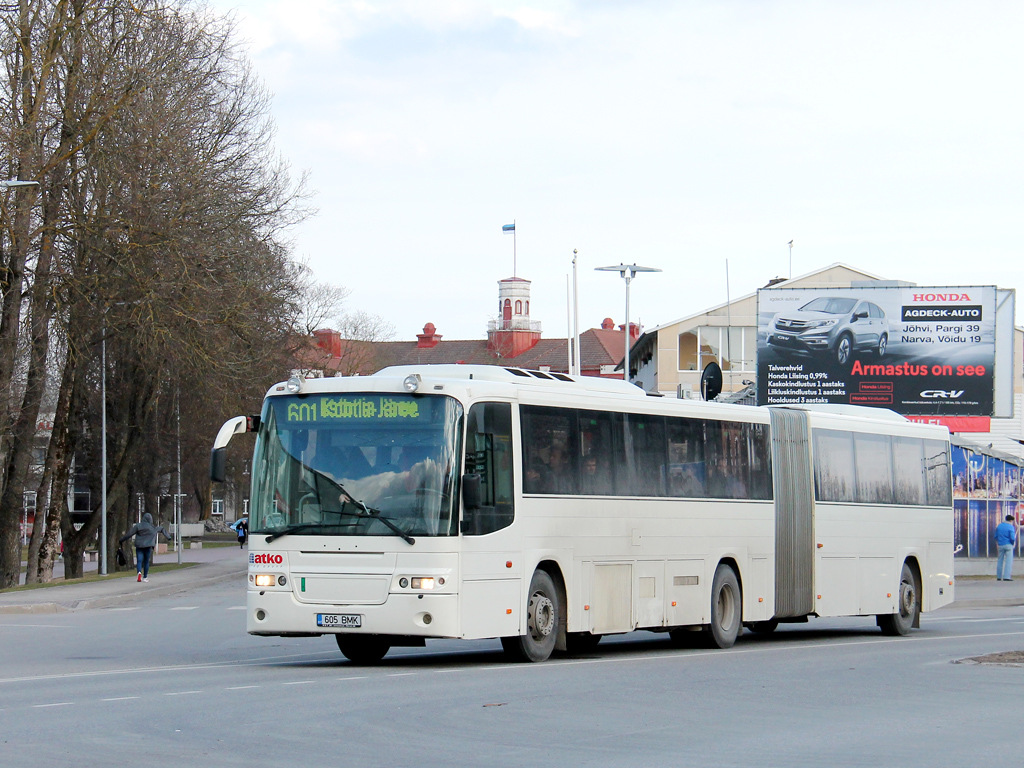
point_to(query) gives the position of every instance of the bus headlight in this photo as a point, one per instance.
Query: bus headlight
(265, 579)
(294, 385)
(412, 382)
(423, 582)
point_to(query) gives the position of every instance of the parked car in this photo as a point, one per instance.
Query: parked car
(831, 325)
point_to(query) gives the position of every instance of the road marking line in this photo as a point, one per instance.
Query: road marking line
(304, 658)
(299, 682)
(976, 621)
(120, 698)
(181, 693)
(58, 704)
(401, 674)
(134, 608)
(184, 608)
(796, 644)
(241, 687)
(237, 608)
(36, 626)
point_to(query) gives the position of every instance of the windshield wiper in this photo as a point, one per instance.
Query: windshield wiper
(364, 511)
(375, 514)
(293, 529)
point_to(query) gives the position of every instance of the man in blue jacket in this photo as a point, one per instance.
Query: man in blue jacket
(145, 534)
(1006, 537)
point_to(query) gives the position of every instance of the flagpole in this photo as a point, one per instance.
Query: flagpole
(568, 322)
(576, 318)
(513, 247)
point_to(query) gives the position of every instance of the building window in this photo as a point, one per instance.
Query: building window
(519, 307)
(734, 348)
(688, 351)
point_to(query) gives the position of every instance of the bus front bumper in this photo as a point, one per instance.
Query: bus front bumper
(414, 615)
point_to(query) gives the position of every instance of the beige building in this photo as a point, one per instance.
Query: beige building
(671, 358)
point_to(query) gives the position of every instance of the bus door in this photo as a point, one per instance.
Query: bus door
(491, 589)
(794, 513)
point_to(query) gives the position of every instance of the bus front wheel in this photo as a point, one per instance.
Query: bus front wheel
(726, 609)
(362, 649)
(907, 608)
(543, 613)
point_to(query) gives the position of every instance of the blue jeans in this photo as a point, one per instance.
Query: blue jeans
(143, 557)
(1004, 562)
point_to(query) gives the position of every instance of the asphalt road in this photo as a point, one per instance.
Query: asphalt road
(176, 681)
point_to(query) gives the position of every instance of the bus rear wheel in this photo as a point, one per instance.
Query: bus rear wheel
(726, 609)
(543, 614)
(362, 649)
(908, 606)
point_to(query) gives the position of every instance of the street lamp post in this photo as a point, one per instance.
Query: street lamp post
(627, 272)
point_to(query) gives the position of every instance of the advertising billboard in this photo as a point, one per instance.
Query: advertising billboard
(919, 351)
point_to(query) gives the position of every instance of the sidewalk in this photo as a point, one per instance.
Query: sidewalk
(223, 563)
(213, 564)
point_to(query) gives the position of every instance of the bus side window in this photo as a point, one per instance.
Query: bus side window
(489, 454)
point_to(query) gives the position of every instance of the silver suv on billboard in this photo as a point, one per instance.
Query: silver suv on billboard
(836, 326)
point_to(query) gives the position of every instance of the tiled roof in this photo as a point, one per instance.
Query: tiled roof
(598, 347)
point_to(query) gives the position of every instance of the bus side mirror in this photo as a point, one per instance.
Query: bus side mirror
(218, 462)
(218, 456)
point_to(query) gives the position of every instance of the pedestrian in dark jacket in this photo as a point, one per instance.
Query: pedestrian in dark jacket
(145, 534)
(242, 531)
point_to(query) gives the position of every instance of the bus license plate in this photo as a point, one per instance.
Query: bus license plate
(345, 620)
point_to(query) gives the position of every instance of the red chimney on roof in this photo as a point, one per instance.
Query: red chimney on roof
(328, 340)
(429, 338)
(608, 324)
(634, 330)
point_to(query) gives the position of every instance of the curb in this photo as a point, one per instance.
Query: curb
(109, 600)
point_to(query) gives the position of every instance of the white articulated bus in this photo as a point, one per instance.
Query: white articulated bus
(459, 501)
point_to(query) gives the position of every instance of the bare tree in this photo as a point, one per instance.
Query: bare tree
(158, 238)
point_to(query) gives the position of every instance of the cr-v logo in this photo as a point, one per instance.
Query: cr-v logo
(265, 559)
(946, 394)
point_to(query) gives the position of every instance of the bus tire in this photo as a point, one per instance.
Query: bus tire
(726, 609)
(581, 642)
(362, 649)
(764, 627)
(543, 613)
(908, 606)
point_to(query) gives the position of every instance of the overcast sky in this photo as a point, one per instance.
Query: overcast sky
(680, 135)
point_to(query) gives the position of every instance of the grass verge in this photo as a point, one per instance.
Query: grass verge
(96, 577)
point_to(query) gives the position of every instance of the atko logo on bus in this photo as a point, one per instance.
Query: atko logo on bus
(265, 558)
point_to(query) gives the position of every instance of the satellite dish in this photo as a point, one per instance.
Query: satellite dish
(711, 381)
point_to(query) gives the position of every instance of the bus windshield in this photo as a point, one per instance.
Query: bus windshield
(334, 464)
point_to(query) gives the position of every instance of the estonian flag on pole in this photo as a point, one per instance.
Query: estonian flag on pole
(508, 228)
